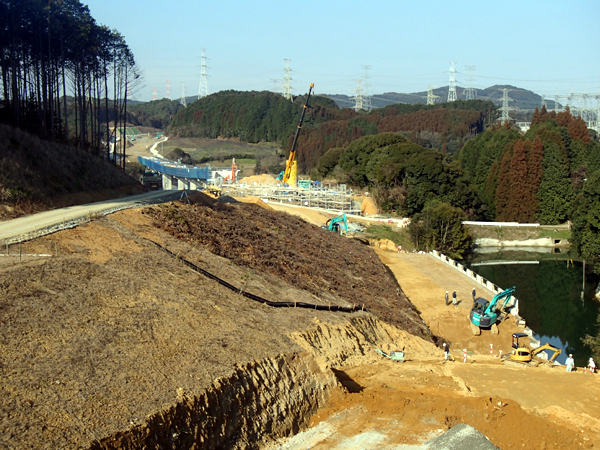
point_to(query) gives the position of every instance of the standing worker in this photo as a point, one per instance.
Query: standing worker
(592, 365)
(454, 301)
(570, 362)
(446, 352)
(446, 298)
(474, 294)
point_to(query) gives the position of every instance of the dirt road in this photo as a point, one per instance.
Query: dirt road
(391, 404)
(29, 224)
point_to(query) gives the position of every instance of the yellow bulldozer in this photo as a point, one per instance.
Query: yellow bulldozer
(522, 354)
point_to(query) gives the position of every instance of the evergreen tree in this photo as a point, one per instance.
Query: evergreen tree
(534, 176)
(586, 221)
(503, 190)
(439, 227)
(555, 193)
(516, 209)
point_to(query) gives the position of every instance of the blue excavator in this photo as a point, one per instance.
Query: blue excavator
(338, 224)
(485, 314)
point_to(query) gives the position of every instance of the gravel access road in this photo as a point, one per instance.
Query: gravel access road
(47, 219)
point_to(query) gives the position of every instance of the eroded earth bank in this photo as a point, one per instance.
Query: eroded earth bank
(112, 342)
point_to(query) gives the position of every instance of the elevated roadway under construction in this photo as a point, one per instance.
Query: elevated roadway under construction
(176, 175)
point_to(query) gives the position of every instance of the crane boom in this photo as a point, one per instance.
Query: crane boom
(292, 157)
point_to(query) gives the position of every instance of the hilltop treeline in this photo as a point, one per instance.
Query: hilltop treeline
(54, 49)
(265, 116)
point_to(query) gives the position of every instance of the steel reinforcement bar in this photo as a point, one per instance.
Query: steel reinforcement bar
(222, 282)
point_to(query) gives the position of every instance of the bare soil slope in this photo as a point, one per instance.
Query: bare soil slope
(338, 270)
(97, 338)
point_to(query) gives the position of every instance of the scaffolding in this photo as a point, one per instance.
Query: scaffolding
(327, 198)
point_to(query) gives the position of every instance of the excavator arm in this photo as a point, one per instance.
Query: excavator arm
(502, 295)
(557, 351)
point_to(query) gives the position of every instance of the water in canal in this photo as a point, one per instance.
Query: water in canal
(549, 294)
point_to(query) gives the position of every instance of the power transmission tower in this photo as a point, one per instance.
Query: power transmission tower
(287, 81)
(505, 98)
(544, 101)
(470, 92)
(154, 93)
(556, 103)
(183, 102)
(452, 84)
(367, 89)
(358, 98)
(203, 88)
(168, 90)
(431, 98)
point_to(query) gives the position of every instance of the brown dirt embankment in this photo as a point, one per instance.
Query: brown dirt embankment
(98, 338)
(335, 269)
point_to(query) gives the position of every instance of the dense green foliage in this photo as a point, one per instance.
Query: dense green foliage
(404, 175)
(156, 114)
(586, 220)
(250, 116)
(439, 227)
(265, 116)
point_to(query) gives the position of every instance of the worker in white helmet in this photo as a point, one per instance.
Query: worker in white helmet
(570, 362)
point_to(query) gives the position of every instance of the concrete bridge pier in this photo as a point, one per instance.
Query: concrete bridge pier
(168, 182)
(195, 185)
(183, 184)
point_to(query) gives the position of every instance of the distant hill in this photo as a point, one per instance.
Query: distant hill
(522, 99)
(250, 116)
(36, 175)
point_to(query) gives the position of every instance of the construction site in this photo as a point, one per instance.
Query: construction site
(228, 324)
(328, 198)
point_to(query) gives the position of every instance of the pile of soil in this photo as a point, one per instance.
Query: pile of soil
(368, 207)
(336, 269)
(264, 179)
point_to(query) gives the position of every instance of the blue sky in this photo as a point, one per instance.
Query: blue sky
(546, 46)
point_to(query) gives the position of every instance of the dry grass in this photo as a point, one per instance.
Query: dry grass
(37, 175)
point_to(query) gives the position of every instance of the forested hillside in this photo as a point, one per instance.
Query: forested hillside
(265, 116)
(533, 177)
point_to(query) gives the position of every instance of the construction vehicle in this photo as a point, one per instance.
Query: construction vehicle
(338, 224)
(522, 354)
(213, 189)
(231, 179)
(396, 356)
(485, 314)
(289, 175)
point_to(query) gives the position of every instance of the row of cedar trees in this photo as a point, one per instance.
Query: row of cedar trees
(57, 62)
(518, 176)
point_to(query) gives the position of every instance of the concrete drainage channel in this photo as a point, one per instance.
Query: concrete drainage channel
(263, 402)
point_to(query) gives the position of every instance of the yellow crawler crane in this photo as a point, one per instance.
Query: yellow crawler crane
(522, 354)
(290, 174)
